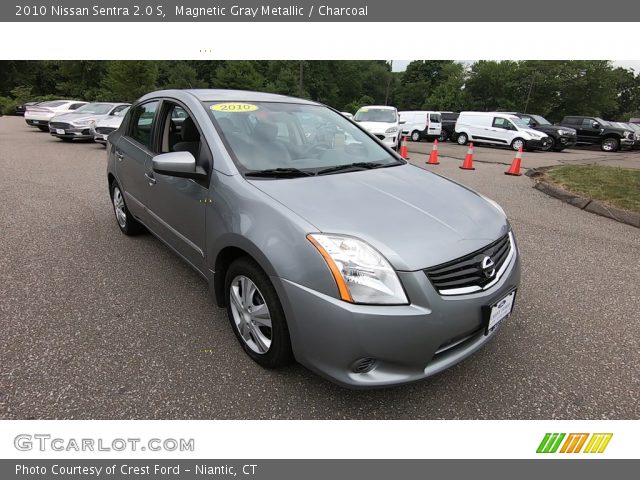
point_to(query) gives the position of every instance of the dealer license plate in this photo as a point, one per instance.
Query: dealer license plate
(59, 131)
(499, 311)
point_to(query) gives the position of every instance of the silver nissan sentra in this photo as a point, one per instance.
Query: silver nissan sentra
(324, 245)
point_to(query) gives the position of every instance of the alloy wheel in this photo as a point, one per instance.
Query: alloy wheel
(250, 314)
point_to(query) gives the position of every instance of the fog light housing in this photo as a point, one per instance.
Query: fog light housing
(364, 365)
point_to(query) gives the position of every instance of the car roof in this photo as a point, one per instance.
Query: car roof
(382, 107)
(215, 95)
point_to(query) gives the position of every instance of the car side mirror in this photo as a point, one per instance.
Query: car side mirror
(177, 164)
(402, 122)
(533, 124)
(595, 125)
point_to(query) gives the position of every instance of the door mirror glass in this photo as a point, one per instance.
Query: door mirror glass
(177, 164)
(595, 125)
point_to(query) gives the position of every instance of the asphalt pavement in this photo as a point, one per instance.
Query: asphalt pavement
(96, 325)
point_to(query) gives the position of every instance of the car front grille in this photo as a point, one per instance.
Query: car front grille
(59, 125)
(474, 272)
(105, 130)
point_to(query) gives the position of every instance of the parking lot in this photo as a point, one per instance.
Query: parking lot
(96, 325)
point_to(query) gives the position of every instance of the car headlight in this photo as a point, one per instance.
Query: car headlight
(391, 130)
(566, 132)
(628, 134)
(361, 273)
(84, 123)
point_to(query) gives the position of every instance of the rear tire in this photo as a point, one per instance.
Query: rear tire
(264, 336)
(444, 136)
(462, 139)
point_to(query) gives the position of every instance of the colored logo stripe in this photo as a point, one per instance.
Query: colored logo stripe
(597, 443)
(550, 443)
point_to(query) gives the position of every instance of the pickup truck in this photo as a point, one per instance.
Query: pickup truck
(560, 137)
(596, 131)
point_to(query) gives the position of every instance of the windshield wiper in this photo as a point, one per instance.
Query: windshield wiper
(354, 166)
(279, 172)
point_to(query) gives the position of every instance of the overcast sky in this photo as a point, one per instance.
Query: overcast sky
(401, 65)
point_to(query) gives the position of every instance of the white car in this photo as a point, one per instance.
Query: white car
(498, 128)
(39, 115)
(77, 124)
(421, 124)
(382, 121)
(103, 127)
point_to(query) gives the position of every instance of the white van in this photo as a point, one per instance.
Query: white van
(421, 124)
(382, 121)
(498, 129)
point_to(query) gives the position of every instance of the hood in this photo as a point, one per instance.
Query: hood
(76, 117)
(415, 218)
(553, 128)
(534, 133)
(112, 121)
(377, 127)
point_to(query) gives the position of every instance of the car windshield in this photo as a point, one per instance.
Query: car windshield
(519, 122)
(368, 114)
(121, 113)
(95, 108)
(295, 138)
(540, 120)
(602, 122)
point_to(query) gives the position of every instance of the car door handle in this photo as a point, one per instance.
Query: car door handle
(150, 179)
(119, 156)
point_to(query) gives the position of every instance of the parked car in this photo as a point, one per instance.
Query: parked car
(368, 270)
(635, 120)
(420, 125)
(20, 109)
(634, 127)
(499, 128)
(559, 137)
(381, 121)
(104, 126)
(448, 131)
(348, 115)
(77, 124)
(39, 115)
(596, 131)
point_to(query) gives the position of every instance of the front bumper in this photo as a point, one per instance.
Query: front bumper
(389, 139)
(408, 342)
(35, 122)
(627, 143)
(538, 144)
(71, 131)
(566, 141)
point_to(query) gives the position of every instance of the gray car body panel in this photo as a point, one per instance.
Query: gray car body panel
(415, 218)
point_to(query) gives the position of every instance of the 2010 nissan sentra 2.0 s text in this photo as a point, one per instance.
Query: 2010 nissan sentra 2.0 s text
(323, 244)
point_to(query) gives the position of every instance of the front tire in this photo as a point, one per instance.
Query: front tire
(610, 144)
(66, 139)
(43, 128)
(462, 139)
(550, 146)
(128, 225)
(256, 315)
(517, 144)
(415, 136)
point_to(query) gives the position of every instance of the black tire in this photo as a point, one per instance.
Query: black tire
(130, 226)
(415, 136)
(551, 145)
(444, 136)
(43, 128)
(279, 353)
(610, 144)
(559, 149)
(462, 139)
(66, 139)
(517, 143)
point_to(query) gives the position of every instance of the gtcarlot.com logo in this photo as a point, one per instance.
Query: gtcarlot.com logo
(45, 442)
(574, 443)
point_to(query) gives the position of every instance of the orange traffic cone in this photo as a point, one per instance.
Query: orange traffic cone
(514, 169)
(468, 160)
(433, 158)
(404, 151)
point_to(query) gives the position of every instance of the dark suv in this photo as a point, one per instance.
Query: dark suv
(596, 131)
(448, 126)
(561, 137)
